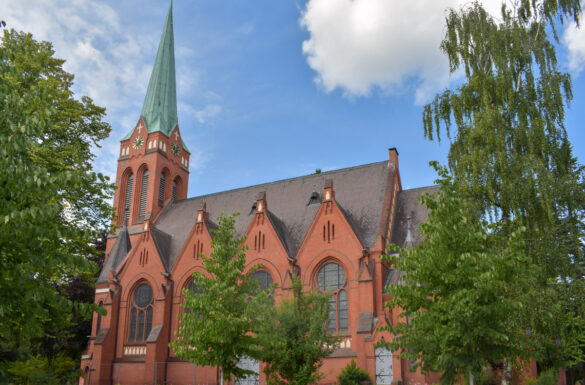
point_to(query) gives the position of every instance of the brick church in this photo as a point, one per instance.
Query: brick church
(330, 227)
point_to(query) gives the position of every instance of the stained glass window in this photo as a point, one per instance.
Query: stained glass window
(141, 314)
(331, 279)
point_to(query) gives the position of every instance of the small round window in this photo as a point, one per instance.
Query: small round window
(331, 278)
(143, 295)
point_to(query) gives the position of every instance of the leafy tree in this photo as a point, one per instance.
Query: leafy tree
(294, 339)
(226, 312)
(512, 166)
(462, 291)
(52, 201)
(352, 375)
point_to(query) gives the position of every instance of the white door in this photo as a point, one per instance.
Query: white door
(383, 366)
(249, 364)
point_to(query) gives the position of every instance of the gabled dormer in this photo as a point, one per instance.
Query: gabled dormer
(153, 168)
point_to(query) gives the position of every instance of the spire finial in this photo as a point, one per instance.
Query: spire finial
(160, 104)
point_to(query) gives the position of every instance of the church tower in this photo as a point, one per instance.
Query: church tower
(153, 167)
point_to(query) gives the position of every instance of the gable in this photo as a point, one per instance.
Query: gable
(359, 190)
(331, 230)
(143, 258)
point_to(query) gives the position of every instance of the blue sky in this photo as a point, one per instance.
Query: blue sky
(270, 89)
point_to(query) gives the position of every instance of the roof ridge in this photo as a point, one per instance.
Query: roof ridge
(420, 188)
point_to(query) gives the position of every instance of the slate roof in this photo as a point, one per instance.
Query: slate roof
(407, 205)
(359, 191)
(117, 254)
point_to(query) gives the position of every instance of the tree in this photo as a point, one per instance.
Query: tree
(461, 292)
(352, 375)
(512, 164)
(52, 201)
(294, 338)
(226, 311)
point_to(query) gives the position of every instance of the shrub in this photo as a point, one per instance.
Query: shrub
(352, 375)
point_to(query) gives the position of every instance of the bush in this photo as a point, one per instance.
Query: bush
(352, 375)
(547, 377)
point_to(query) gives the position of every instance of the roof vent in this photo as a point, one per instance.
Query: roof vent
(315, 199)
(253, 209)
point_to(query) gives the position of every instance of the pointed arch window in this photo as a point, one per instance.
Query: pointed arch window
(161, 189)
(99, 319)
(128, 197)
(192, 287)
(174, 192)
(264, 279)
(141, 314)
(331, 279)
(143, 194)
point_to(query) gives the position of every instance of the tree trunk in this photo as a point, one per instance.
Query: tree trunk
(507, 373)
(221, 375)
(471, 382)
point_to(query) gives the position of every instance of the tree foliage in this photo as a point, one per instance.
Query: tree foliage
(462, 291)
(225, 314)
(294, 339)
(352, 375)
(512, 167)
(52, 201)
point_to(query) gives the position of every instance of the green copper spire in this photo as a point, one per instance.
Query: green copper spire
(160, 104)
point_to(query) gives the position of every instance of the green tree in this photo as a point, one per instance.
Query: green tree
(512, 166)
(294, 338)
(461, 292)
(52, 201)
(352, 375)
(227, 309)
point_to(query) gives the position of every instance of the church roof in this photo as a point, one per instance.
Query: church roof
(159, 111)
(117, 254)
(409, 208)
(359, 191)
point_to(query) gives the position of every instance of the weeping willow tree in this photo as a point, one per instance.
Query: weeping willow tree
(512, 164)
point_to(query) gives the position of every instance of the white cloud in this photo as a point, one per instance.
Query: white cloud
(111, 58)
(203, 115)
(360, 46)
(574, 40)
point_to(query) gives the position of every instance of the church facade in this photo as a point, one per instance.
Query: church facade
(329, 229)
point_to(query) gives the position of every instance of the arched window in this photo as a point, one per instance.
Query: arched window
(141, 314)
(99, 319)
(161, 189)
(264, 278)
(192, 287)
(174, 192)
(128, 197)
(331, 279)
(143, 193)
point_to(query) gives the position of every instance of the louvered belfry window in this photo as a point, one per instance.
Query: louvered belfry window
(161, 188)
(174, 190)
(143, 194)
(141, 314)
(129, 184)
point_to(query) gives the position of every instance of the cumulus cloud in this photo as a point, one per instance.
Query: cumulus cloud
(360, 46)
(574, 40)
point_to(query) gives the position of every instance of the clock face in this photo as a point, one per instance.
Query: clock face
(175, 149)
(137, 142)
